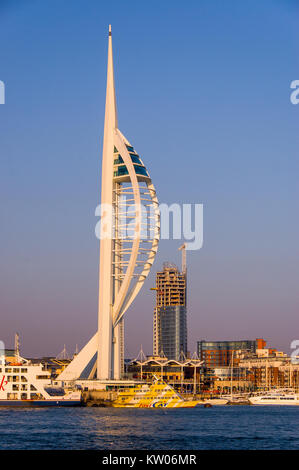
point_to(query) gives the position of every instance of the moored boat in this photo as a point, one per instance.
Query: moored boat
(159, 394)
(27, 384)
(216, 401)
(276, 397)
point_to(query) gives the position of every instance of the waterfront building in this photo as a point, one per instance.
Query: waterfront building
(129, 236)
(170, 314)
(183, 375)
(220, 353)
(270, 369)
(262, 369)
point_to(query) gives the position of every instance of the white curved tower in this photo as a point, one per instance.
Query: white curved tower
(129, 241)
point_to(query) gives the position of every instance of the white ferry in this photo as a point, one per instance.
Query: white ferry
(27, 384)
(276, 397)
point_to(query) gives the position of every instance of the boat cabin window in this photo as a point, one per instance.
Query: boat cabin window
(55, 391)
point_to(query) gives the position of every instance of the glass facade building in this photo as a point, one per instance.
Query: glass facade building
(219, 353)
(173, 331)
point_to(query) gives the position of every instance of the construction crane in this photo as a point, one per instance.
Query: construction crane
(182, 248)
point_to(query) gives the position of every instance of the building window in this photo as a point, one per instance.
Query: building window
(121, 170)
(140, 170)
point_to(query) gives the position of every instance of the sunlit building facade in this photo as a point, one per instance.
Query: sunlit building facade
(170, 314)
(220, 353)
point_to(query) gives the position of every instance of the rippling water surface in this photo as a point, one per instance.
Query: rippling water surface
(220, 427)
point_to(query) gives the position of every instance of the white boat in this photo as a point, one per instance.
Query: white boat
(276, 397)
(215, 401)
(27, 384)
(238, 400)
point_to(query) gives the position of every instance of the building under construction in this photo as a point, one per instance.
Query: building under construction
(170, 314)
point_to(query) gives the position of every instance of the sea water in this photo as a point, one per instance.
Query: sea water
(219, 427)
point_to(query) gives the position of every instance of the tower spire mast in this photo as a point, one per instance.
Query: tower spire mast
(126, 254)
(110, 109)
(105, 313)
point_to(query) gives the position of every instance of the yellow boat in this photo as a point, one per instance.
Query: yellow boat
(156, 395)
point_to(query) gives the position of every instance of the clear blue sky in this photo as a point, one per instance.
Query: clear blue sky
(203, 94)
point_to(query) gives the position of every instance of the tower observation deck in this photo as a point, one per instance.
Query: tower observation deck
(129, 236)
